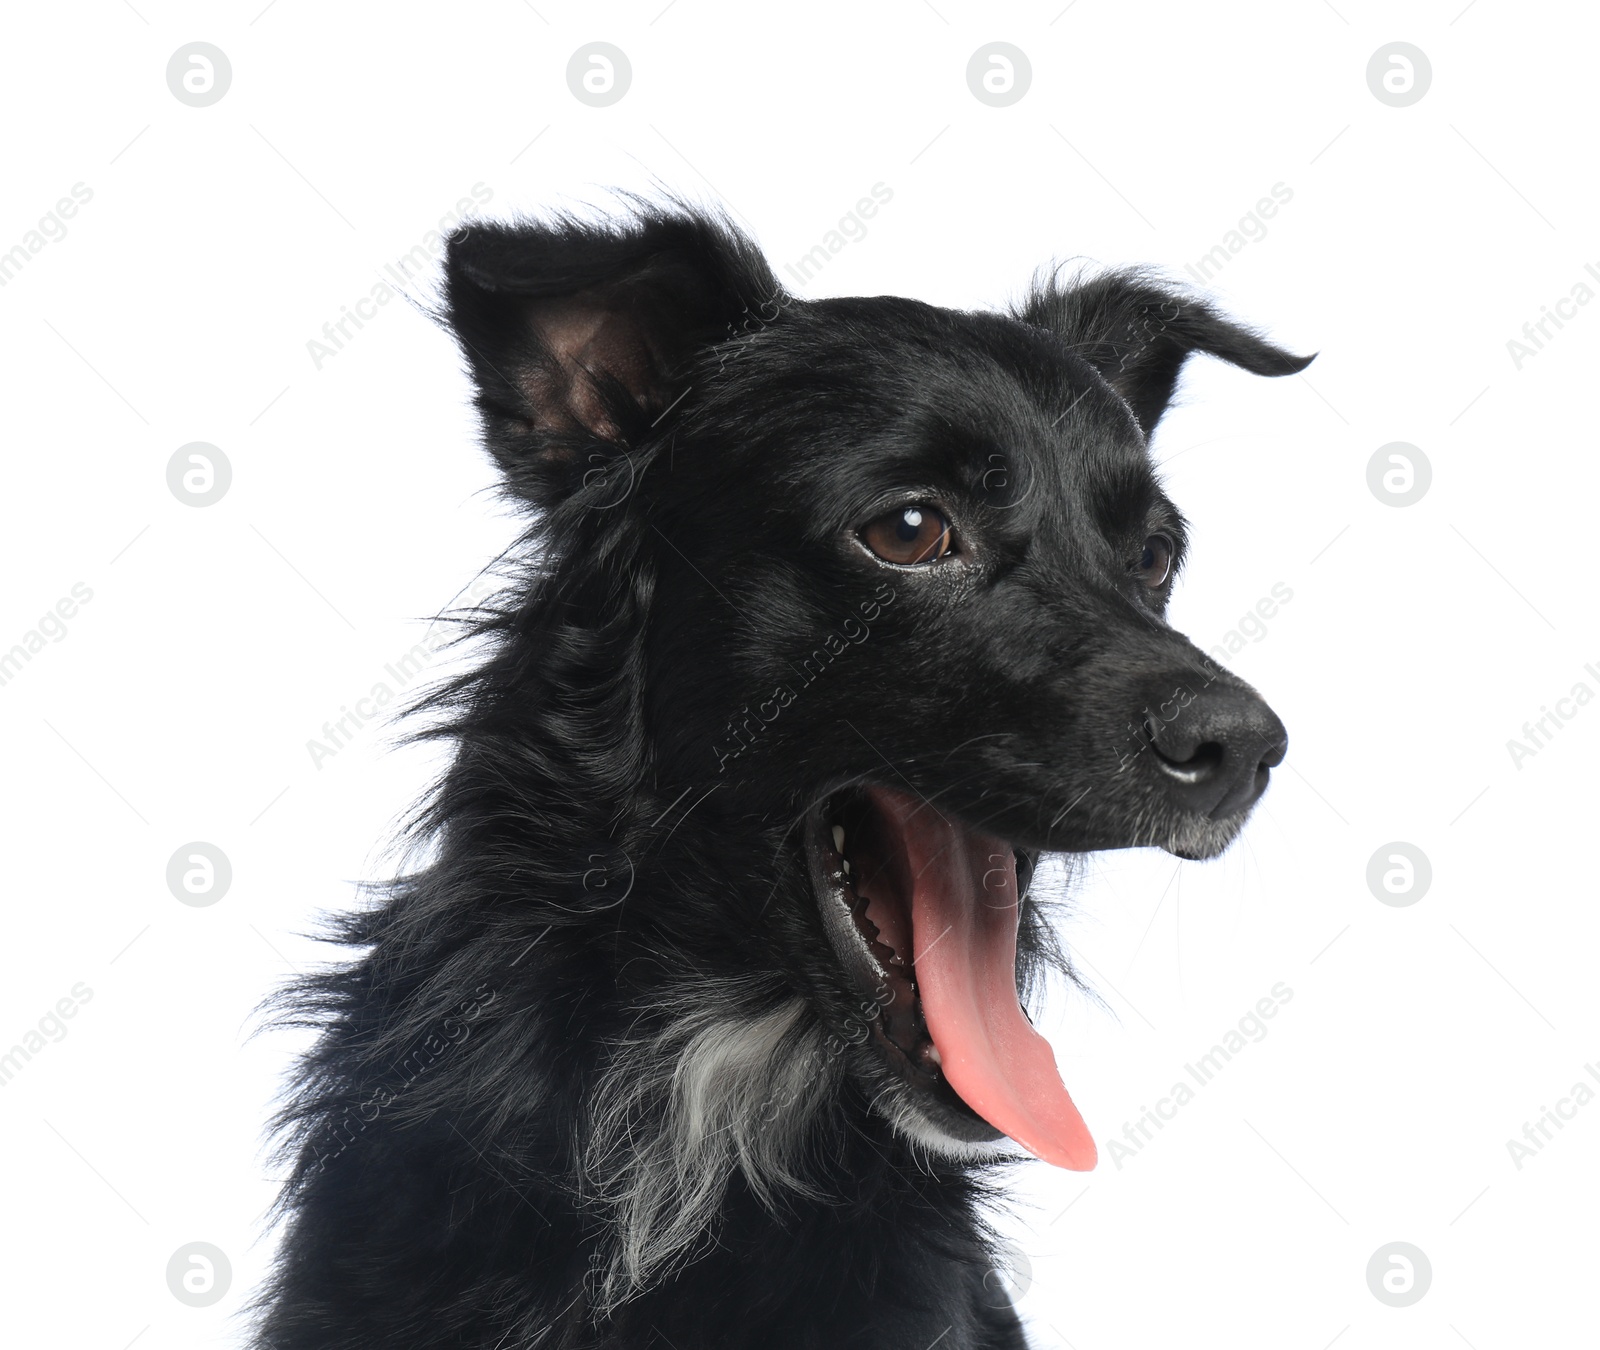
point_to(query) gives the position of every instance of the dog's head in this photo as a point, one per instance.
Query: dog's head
(899, 577)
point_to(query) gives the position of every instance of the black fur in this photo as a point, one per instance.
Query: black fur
(615, 849)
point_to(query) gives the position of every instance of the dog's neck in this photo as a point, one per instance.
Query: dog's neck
(720, 1086)
(668, 1120)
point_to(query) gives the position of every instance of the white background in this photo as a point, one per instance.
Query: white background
(178, 703)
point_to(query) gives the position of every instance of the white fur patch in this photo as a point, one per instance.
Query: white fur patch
(909, 1122)
(721, 1086)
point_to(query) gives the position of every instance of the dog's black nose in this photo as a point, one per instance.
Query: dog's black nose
(1217, 751)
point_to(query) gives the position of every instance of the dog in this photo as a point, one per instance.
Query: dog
(699, 1020)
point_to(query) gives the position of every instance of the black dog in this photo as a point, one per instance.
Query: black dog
(700, 1024)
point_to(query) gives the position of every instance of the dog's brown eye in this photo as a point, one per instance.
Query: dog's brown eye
(910, 537)
(1155, 561)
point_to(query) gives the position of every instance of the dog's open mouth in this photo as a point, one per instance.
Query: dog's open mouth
(922, 912)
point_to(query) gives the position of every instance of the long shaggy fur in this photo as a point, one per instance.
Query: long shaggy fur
(589, 1077)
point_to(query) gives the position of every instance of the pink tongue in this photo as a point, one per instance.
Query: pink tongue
(964, 917)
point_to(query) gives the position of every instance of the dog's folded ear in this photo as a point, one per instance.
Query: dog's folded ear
(1137, 331)
(579, 335)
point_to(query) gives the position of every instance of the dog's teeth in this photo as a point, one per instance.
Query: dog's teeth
(846, 863)
(932, 1052)
(838, 842)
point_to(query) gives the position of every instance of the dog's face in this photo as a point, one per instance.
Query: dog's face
(909, 571)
